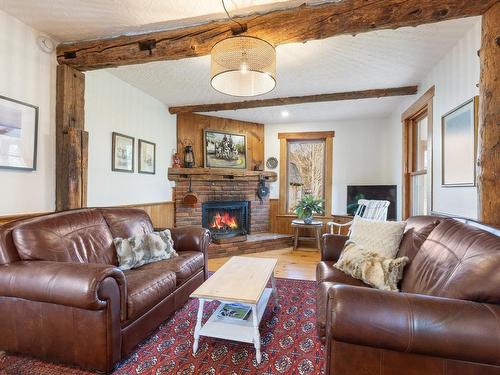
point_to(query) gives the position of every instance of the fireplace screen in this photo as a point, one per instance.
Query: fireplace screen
(225, 219)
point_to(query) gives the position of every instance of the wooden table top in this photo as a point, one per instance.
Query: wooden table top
(240, 279)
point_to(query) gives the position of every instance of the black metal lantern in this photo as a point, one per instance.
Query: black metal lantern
(188, 157)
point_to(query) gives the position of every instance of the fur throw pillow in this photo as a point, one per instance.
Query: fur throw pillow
(146, 248)
(382, 237)
(368, 266)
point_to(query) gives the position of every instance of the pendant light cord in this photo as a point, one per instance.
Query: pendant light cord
(242, 28)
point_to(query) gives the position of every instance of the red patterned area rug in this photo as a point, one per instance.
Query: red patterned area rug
(288, 341)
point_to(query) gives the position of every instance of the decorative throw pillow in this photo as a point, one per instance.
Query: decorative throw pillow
(146, 248)
(379, 272)
(381, 237)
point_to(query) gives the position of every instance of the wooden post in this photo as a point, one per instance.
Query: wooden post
(71, 140)
(488, 175)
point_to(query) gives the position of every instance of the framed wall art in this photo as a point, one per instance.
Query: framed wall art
(223, 149)
(122, 153)
(18, 134)
(459, 145)
(147, 157)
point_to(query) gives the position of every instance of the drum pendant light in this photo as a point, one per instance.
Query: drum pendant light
(243, 66)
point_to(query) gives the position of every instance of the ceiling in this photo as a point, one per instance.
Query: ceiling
(72, 20)
(380, 59)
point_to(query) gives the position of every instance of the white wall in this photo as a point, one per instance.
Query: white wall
(112, 105)
(455, 78)
(362, 154)
(29, 75)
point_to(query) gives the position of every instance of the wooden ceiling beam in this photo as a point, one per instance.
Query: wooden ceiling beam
(299, 24)
(337, 96)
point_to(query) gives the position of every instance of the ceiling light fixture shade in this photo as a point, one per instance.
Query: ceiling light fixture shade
(243, 66)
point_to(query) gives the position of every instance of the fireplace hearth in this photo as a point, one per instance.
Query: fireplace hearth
(227, 221)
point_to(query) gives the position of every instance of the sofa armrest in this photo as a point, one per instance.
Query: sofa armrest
(192, 239)
(62, 283)
(414, 323)
(331, 246)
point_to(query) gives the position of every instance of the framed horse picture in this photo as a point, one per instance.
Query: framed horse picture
(223, 149)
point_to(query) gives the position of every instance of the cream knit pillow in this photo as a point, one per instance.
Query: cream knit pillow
(380, 237)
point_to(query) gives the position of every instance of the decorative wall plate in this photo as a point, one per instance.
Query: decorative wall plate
(272, 162)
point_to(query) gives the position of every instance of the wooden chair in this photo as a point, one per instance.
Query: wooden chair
(367, 209)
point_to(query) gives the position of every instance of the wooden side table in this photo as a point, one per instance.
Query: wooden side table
(316, 225)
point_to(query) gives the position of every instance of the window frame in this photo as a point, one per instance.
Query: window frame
(324, 136)
(421, 108)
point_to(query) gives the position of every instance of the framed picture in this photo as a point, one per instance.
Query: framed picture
(147, 157)
(224, 150)
(18, 134)
(122, 153)
(459, 145)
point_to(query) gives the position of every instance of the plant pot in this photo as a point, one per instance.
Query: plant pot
(308, 220)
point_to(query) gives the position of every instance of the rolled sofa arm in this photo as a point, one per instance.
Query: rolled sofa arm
(191, 239)
(414, 323)
(63, 283)
(331, 246)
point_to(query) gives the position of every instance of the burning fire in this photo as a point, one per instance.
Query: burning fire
(224, 221)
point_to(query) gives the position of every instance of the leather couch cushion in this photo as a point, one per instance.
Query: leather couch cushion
(72, 236)
(326, 272)
(184, 266)
(127, 222)
(417, 230)
(456, 261)
(147, 286)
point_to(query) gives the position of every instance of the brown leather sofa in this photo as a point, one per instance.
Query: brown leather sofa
(63, 298)
(445, 320)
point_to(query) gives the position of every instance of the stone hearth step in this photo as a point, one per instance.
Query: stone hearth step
(255, 243)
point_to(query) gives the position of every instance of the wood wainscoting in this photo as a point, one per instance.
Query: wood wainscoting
(283, 223)
(162, 214)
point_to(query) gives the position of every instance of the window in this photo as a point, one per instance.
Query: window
(417, 157)
(305, 168)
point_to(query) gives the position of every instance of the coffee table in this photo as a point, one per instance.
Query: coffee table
(240, 280)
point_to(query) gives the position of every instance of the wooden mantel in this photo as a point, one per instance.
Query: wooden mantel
(217, 174)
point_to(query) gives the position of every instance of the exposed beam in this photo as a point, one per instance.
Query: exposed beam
(299, 24)
(337, 96)
(488, 171)
(71, 140)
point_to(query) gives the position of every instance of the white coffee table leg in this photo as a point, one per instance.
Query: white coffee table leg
(198, 326)
(273, 285)
(256, 334)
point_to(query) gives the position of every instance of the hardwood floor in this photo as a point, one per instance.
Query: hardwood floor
(292, 264)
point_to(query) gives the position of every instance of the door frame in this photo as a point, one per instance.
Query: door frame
(424, 104)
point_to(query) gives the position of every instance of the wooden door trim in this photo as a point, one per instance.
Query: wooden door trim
(327, 136)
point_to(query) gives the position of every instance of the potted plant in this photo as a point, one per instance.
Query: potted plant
(307, 207)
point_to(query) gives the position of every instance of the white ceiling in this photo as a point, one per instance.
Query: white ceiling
(380, 59)
(71, 20)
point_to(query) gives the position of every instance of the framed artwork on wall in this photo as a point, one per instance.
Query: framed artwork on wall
(459, 145)
(18, 134)
(223, 149)
(122, 153)
(147, 157)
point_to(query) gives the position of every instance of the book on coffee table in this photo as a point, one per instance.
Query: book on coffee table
(235, 311)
